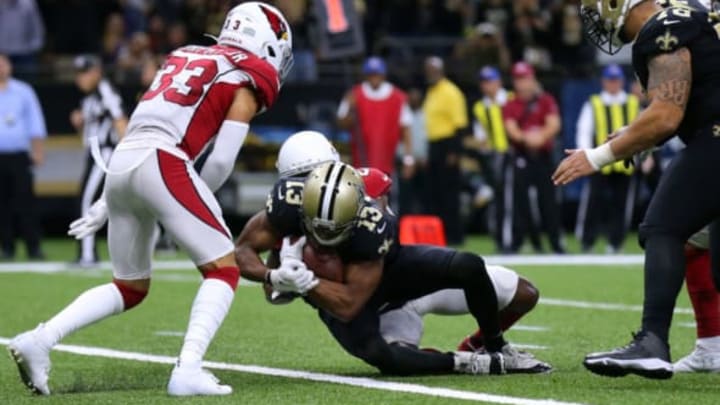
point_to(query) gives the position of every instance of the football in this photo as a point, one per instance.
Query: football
(327, 266)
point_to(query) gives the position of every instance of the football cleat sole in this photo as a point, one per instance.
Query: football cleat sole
(24, 376)
(649, 368)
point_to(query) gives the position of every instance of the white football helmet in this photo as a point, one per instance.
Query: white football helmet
(304, 151)
(604, 21)
(261, 29)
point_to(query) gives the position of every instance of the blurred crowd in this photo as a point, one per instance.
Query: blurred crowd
(130, 34)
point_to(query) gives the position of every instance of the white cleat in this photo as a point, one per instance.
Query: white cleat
(518, 361)
(701, 360)
(194, 380)
(33, 361)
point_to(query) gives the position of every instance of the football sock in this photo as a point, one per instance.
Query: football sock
(91, 306)
(480, 296)
(507, 319)
(211, 304)
(701, 289)
(664, 274)
(398, 359)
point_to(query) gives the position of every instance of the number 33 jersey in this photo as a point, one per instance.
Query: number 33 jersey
(373, 236)
(191, 95)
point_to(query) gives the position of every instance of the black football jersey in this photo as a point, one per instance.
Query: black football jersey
(283, 206)
(372, 238)
(694, 28)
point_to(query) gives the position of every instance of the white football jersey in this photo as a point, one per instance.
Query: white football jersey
(191, 94)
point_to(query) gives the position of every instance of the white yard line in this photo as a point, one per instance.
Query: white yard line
(607, 306)
(519, 260)
(169, 333)
(530, 328)
(318, 377)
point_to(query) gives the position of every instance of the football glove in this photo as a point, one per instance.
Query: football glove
(292, 276)
(91, 222)
(290, 250)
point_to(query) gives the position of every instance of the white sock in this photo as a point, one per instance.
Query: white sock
(211, 304)
(710, 343)
(89, 307)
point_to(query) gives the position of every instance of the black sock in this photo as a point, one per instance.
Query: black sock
(664, 275)
(397, 359)
(480, 296)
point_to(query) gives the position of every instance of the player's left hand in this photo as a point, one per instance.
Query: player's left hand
(292, 276)
(91, 222)
(573, 167)
(292, 250)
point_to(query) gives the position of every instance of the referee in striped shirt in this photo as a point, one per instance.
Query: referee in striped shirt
(100, 115)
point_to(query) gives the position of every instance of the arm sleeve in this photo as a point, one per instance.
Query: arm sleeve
(510, 112)
(343, 109)
(479, 131)
(34, 115)
(406, 116)
(221, 160)
(585, 128)
(459, 110)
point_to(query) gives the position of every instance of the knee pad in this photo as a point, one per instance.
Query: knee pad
(131, 297)
(230, 275)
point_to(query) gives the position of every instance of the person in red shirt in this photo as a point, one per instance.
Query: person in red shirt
(532, 122)
(379, 117)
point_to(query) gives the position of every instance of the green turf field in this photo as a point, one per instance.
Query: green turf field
(291, 338)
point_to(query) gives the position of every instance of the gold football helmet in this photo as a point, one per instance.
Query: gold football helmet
(604, 21)
(332, 199)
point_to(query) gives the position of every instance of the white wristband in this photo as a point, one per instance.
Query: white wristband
(600, 156)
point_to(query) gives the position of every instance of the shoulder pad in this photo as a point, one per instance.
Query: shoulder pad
(668, 31)
(283, 205)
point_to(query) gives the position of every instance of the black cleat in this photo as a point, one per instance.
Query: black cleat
(646, 355)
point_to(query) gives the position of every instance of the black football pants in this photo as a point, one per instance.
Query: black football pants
(687, 198)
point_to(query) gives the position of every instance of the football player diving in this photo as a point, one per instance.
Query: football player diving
(676, 56)
(324, 201)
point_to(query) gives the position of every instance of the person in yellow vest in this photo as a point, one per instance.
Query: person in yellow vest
(446, 120)
(489, 130)
(608, 198)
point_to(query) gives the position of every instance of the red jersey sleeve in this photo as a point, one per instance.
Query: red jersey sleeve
(511, 111)
(549, 105)
(265, 79)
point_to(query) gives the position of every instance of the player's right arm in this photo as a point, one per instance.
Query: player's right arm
(256, 237)
(345, 300)
(669, 83)
(229, 139)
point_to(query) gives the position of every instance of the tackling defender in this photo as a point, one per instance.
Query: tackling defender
(676, 56)
(376, 273)
(201, 94)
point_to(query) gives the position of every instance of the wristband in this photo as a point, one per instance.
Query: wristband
(600, 156)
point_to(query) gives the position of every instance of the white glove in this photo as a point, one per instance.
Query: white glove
(290, 250)
(292, 276)
(280, 298)
(91, 222)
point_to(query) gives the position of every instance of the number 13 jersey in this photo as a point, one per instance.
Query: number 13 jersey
(190, 96)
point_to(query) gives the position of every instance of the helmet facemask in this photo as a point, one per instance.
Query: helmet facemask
(604, 21)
